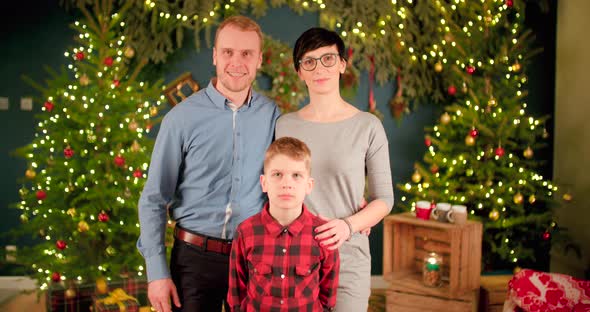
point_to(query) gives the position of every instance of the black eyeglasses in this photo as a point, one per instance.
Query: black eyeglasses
(310, 63)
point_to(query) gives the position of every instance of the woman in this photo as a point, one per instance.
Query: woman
(346, 145)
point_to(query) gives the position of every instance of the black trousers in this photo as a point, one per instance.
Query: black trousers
(201, 278)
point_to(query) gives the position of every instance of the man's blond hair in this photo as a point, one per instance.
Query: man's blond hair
(242, 23)
(290, 147)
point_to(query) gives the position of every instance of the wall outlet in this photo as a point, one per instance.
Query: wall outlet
(3, 103)
(26, 103)
(10, 253)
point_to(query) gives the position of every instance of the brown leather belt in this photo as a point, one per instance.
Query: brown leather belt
(204, 242)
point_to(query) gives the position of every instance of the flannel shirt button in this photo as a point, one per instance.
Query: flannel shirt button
(255, 271)
(284, 250)
(284, 230)
(281, 301)
(282, 275)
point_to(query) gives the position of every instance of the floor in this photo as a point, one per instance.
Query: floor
(18, 294)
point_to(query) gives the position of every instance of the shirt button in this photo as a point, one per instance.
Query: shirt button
(254, 270)
(281, 301)
(284, 230)
(284, 250)
(283, 276)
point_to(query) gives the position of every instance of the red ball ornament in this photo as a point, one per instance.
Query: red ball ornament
(119, 161)
(103, 217)
(48, 106)
(55, 277)
(41, 195)
(546, 236)
(116, 82)
(500, 151)
(80, 56)
(61, 245)
(108, 61)
(473, 133)
(138, 173)
(427, 141)
(452, 90)
(470, 69)
(434, 168)
(68, 152)
(509, 3)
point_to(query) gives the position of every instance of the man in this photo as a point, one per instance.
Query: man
(205, 167)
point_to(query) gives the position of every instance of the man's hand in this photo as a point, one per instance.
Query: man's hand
(159, 293)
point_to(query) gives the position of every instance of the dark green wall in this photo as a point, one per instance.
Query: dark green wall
(25, 49)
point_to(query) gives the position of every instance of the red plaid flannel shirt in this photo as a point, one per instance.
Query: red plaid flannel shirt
(278, 268)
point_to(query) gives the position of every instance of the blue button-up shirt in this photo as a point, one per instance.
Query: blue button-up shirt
(205, 167)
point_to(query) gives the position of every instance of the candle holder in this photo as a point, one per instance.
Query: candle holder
(431, 270)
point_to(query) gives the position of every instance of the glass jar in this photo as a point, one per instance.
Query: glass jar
(431, 270)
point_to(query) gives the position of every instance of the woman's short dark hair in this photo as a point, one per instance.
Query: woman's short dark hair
(315, 38)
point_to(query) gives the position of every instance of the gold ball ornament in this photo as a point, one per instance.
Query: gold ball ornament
(494, 215)
(83, 226)
(516, 269)
(71, 212)
(528, 153)
(70, 293)
(101, 286)
(445, 118)
(438, 67)
(132, 125)
(129, 52)
(567, 197)
(135, 147)
(532, 199)
(516, 67)
(84, 80)
(492, 101)
(30, 174)
(469, 140)
(24, 218)
(153, 111)
(518, 198)
(416, 177)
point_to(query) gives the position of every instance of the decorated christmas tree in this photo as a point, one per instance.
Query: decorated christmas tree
(89, 157)
(482, 152)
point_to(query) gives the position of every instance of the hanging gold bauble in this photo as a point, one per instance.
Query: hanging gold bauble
(438, 67)
(101, 286)
(24, 218)
(84, 80)
(518, 198)
(516, 67)
(416, 177)
(445, 118)
(492, 101)
(70, 293)
(135, 147)
(528, 153)
(469, 140)
(494, 215)
(153, 111)
(129, 52)
(532, 199)
(132, 125)
(30, 174)
(71, 212)
(567, 197)
(83, 226)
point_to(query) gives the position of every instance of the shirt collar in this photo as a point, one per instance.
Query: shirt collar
(274, 228)
(220, 100)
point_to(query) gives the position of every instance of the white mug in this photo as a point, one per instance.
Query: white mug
(459, 214)
(442, 212)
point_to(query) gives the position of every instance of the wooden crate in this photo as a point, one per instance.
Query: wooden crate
(493, 292)
(406, 239)
(404, 301)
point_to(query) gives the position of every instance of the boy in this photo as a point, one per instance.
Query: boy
(275, 262)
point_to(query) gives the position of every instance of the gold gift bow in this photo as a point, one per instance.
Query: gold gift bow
(118, 297)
